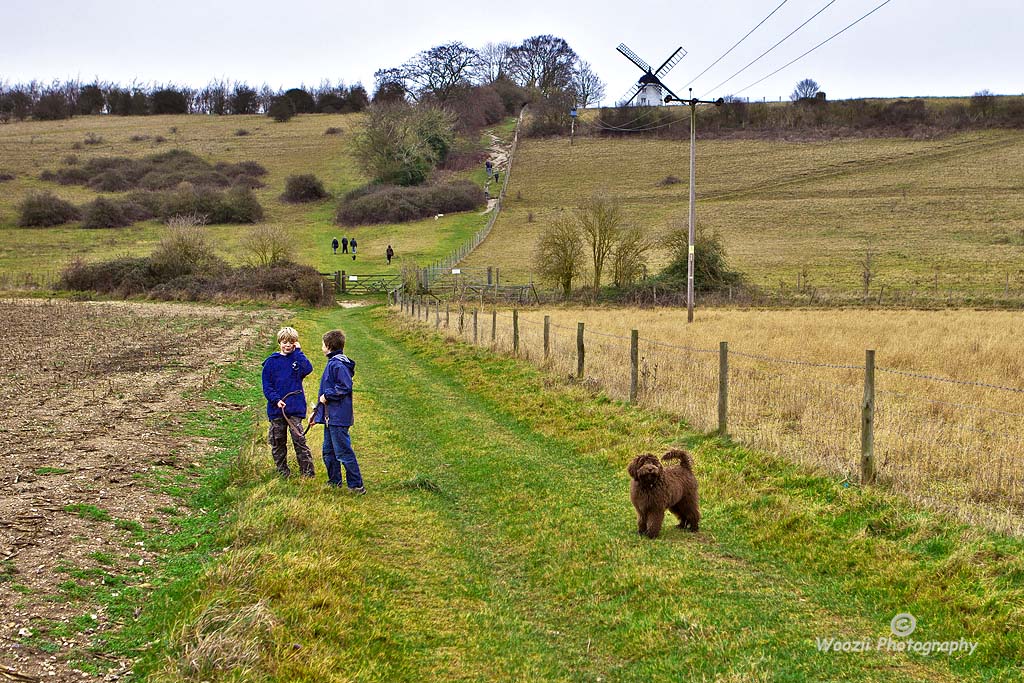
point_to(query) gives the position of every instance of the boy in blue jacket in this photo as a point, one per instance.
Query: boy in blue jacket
(283, 373)
(335, 412)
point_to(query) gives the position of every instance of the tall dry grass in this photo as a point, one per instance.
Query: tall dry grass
(796, 384)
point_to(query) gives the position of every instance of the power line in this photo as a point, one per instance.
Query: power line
(831, 2)
(816, 46)
(737, 43)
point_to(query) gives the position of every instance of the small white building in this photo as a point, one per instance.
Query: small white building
(650, 92)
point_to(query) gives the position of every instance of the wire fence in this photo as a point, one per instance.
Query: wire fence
(952, 445)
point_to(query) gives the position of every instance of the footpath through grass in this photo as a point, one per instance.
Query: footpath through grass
(497, 542)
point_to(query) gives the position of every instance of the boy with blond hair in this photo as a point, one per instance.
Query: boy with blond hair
(283, 373)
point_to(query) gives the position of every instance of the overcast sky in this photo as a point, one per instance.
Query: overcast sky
(908, 47)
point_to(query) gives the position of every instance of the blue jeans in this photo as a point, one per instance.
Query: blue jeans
(337, 452)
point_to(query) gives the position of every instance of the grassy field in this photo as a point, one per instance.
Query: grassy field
(298, 146)
(936, 214)
(514, 557)
(796, 385)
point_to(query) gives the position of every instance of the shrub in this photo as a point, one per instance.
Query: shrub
(241, 132)
(400, 144)
(93, 139)
(4, 177)
(267, 245)
(284, 279)
(239, 205)
(42, 210)
(669, 180)
(105, 213)
(169, 101)
(247, 181)
(333, 131)
(281, 109)
(51, 107)
(70, 160)
(303, 188)
(391, 204)
(138, 138)
(302, 102)
(70, 176)
(125, 275)
(185, 250)
(110, 181)
(711, 270)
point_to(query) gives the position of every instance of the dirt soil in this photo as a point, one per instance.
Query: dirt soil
(93, 395)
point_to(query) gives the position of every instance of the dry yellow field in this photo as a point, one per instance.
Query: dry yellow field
(796, 385)
(943, 211)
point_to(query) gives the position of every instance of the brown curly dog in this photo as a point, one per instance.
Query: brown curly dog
(656, 488)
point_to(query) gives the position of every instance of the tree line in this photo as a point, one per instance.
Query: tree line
(542, 69)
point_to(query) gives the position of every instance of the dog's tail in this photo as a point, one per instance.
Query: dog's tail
(682, 456)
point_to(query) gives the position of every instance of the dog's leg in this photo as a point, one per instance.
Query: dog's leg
(654, 522)
(688, 518)
(641, 523)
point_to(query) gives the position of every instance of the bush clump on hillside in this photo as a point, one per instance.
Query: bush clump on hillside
(392, 204)
(105, 213)
(157, 279)
(303, 188)
(156, 172)
(44, 209)
(711, 271)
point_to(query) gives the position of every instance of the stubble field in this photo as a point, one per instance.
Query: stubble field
(96, 454)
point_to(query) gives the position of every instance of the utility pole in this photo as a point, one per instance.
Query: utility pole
(572, 125)
(693, 102)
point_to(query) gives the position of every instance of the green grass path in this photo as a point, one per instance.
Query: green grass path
(497, 543)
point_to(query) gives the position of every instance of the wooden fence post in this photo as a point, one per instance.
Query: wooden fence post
(547, 336)
(494, 324)
(437, 315)
(580, 351)
(413, 307)
(462, 318)
(337, 281)
(447, 315)
(475, 335)
(723, 388)
(634, 363)
(867, 422)
(343, 285)
(515, 331)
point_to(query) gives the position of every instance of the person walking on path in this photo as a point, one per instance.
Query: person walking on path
(344, 245)
(390, 253)
(352, 243)
(286, 403)
(334, 245)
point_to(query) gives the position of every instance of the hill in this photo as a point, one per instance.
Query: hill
(934, 213)
(297, 147)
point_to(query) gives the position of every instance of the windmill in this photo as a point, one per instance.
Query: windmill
(648, 90)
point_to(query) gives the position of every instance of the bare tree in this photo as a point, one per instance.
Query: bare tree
(439, 71)
(544, 63)
(560, 253)
(601, 221)
(267, 245)
(805, 89)
(629, 260)
(493, 61)
(589, 89)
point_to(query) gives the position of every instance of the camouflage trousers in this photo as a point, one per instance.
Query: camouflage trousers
(278, 439)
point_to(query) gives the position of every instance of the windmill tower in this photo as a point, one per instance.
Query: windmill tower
(649, 90)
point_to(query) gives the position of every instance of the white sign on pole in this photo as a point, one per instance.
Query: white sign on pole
(456, 271)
